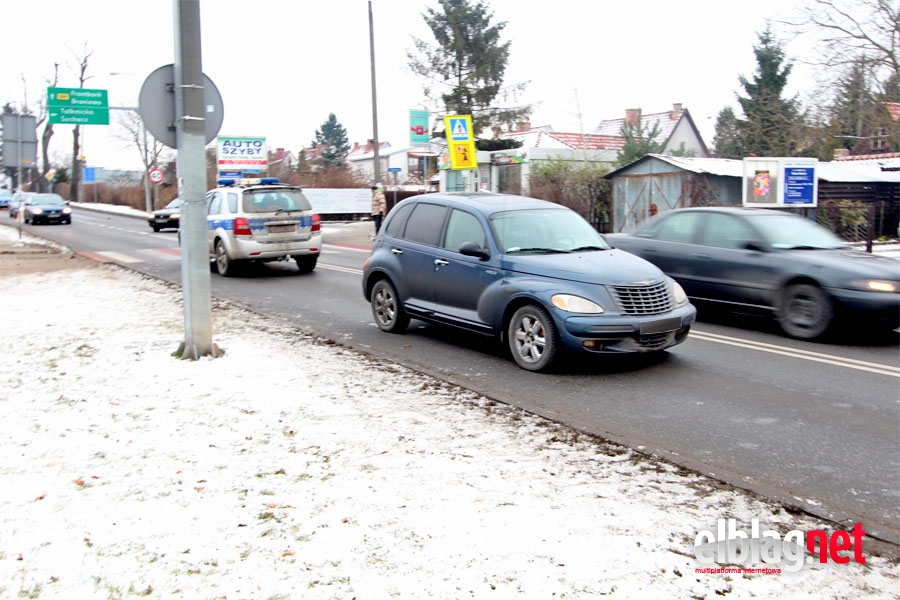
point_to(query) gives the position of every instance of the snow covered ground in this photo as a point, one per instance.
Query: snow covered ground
(294, 468)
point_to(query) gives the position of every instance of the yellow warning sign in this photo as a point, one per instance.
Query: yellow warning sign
(460, 141)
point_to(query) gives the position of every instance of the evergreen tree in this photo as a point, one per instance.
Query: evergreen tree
(855, 109)
(333, 138)
(727, 140)
(772, 124)
(639, 141)
(302, 161)
(465, 70)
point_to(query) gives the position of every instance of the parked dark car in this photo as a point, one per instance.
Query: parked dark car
(528, 272)
(166, 218)
(46, 208)
(773, 260)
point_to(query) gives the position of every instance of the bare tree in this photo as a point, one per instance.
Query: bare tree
(850, 29)
(40, 181)
(132, 131)
(76, 131)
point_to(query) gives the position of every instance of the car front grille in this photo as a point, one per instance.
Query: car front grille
(654, 341)
(644, 299)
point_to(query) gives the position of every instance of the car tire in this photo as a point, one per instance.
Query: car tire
(155, 228)
(306, 264)
(387, 309)
(804, 312)
(532, 338)
(224, 265)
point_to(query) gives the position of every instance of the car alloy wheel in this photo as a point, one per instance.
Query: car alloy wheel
(532, 338)
(224, 264)
(805, 311)
(389, 314)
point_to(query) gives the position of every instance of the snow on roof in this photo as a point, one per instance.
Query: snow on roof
(835, 171)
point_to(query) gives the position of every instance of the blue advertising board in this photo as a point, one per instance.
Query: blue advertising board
(799, 185)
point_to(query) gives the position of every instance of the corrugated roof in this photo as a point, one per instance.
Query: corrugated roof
(834, 172)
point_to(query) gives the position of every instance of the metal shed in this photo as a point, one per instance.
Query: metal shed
(656, 183)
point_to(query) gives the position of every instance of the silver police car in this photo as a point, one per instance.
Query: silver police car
(261, 220)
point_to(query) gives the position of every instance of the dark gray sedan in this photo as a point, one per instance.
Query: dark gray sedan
(46, 208)
(777, 261)
(166, 218)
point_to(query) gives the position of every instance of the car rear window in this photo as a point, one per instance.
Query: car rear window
(268, 201)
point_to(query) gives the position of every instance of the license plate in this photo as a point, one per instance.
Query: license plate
(661, 326)
(281, 228)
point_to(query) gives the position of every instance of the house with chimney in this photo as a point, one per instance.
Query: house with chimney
(508, 170)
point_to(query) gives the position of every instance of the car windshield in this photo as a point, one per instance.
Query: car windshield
(546, 230)
(268, 201)
(47, 200)
(794, 233)
(174, 203)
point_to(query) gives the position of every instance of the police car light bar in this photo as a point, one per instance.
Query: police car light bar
(227, 181)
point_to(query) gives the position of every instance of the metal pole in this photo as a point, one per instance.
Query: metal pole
(19, 216)
(191, 136)
(377, 168)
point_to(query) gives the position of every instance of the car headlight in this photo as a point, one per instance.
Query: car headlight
(67, 211)
(678, 293)
(875, 285)
(37, 211)
(570, 303)
(175, 216)
(151, 216)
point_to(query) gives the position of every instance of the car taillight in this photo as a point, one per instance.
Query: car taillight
(241, 226)
(317, 223)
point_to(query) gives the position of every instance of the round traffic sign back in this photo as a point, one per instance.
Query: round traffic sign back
(156, 175)
(156, 104)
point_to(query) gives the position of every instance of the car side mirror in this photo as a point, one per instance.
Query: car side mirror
(473, 249)
(756, 246)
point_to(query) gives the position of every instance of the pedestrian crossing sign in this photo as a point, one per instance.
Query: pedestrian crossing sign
(460, 141)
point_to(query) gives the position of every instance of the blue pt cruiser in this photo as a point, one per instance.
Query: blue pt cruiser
(532, 273)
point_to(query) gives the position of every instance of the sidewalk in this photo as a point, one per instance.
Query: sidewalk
(295, 468)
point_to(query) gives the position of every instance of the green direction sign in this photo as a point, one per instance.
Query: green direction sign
(77, 106)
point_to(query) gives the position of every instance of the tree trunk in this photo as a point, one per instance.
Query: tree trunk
(76, 165)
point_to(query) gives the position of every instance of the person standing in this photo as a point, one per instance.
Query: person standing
(379, 207)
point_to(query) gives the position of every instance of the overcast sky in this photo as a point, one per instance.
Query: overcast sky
(282, 66)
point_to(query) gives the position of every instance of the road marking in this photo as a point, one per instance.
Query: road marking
(340, 247)
(135, 256)
(341, 269)
(849, 363)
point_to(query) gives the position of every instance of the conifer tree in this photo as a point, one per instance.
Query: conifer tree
(465, 69)
(333, 137)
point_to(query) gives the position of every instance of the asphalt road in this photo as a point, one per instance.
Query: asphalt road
(816, 426)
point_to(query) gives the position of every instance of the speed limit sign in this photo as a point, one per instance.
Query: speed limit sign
(156, 175)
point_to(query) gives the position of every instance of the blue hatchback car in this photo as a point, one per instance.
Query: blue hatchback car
(531, 273)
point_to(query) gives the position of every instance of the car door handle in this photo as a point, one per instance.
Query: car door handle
(396, 250)
(441, 262)
(703, 255)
